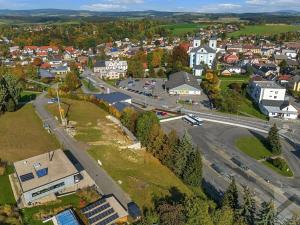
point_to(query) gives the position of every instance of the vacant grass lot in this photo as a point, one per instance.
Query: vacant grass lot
(22, 135)
(142, 176)
(253, 147)
(265, 29)
(183, 28)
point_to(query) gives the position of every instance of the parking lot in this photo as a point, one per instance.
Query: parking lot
(155, 88)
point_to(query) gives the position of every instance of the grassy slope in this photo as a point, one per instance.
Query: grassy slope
(265, 29)
(277, 170)
(253, 147)
(22, 135)
(142, 176)
(247, 108)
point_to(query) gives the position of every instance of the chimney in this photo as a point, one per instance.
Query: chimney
(51, 154)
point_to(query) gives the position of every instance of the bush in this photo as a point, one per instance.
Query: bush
(279, 163)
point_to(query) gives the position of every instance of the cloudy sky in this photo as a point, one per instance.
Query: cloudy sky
(162, 5)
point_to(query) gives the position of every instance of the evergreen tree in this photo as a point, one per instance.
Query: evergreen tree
(295, 220)
(274, 140)
(11, 106)
(224, 216)
(192, 173)
(248, 209)
(197, 211)
(90, 63)
(267, 214)
(144, 125)
(182, 153)
(231, 196)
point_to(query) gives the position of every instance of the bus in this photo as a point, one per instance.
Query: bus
(190, 121)
(197, 118)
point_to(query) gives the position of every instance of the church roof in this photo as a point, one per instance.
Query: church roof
(205, 47)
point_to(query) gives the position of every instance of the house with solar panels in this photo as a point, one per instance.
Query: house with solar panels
(105, 211)
(46, 174)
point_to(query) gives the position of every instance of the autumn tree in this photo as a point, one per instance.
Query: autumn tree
(171, 214)
(37, 62)
(128, 118)
(144, 125)
(72, 81)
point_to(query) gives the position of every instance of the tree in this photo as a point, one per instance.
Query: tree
(248, 209)
(182, 153)
(179, 58)
(224, 216)
(267, 215)
(198, 211)
(144, 125)
(72, 81)
(156, 140)
(192, 174)
(90, 63)
(171, 214)
(37, 62)
(274, 140)
(295, 220)
(231, 196)
(128, 118)
(172, 142)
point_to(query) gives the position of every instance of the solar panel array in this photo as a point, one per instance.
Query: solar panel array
(26, 177)
(101, 216)
(109, 219)
(100, 213)
(42, 172)
(97, 210)
(93, 205)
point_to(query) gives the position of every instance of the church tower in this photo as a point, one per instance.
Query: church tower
(196, 42)
(213, 42)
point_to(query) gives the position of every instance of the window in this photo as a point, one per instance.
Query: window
(275, 97)
(48, 189)
(276, 92)
(273, 114)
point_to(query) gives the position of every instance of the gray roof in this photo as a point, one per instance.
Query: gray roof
(268, 84)
(206, 48)
(280, 57)
(46, 74)
(180, 78)
(100, 63)
(274, 103)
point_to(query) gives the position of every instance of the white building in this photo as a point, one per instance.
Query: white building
(202, 54)
(271, 99)
(112, 69)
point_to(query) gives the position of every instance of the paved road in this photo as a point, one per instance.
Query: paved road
(105, 183)
(217, 145)
(290, 130)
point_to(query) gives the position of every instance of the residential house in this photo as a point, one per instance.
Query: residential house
(226, 73)
(202, 54)
(271, 99)
(60, 71)
(294, 83)
(44, 175)
(231, 58)
(183, 83)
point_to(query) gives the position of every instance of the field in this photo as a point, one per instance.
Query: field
(265, 30)
(141, 175)
(183, 28)
(253, 147)
(22, 135)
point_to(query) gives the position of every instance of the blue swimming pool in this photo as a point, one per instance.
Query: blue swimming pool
(66, 218)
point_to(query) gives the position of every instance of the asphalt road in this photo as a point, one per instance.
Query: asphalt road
(216, 143)
(105, 183)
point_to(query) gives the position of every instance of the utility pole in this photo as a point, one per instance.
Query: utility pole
(59, 106)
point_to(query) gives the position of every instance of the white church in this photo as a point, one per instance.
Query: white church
(202, 54)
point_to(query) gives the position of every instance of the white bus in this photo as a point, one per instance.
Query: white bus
(190, 120)
(197, 118)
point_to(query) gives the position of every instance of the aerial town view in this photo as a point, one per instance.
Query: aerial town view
(150, 112)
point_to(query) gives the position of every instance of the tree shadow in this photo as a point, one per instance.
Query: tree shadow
(212, 192)
(175, 196)
(73, 160)
(261, 138)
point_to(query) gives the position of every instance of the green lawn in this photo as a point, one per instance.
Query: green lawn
(265, 30)
(253, 147)
(288, 173)
(6, 196)
(29, 217)
(22, 135)
(89, 86)
(183, 28)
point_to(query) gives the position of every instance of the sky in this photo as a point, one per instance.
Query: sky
(212, 6)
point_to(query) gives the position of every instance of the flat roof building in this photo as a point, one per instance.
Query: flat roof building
(44, 174)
